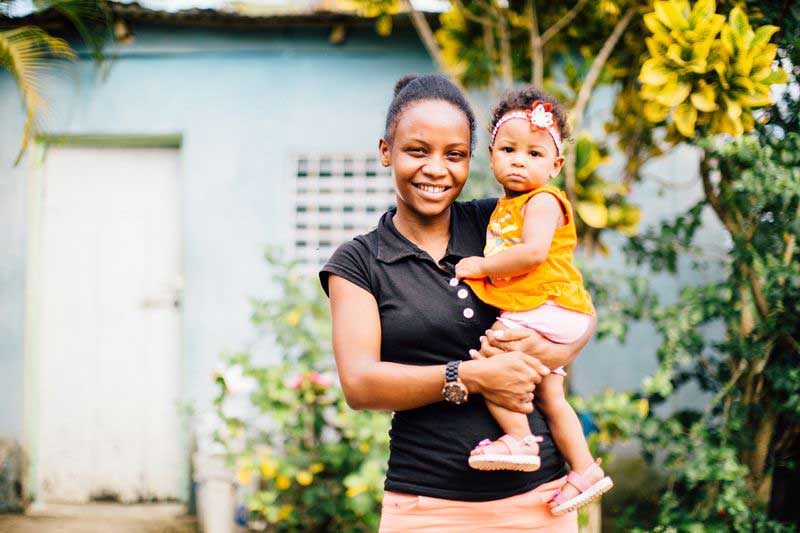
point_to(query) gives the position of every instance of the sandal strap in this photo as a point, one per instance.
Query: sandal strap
(513, 445)
(578, 480)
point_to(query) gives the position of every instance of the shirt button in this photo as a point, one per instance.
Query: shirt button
(468, 313)
(453, 282)
(463, 293)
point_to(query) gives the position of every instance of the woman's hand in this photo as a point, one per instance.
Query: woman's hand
(500, 340)
(507, 379)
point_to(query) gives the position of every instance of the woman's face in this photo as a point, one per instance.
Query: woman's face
(429, 156)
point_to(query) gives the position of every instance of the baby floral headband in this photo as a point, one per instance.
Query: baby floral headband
(540, 117)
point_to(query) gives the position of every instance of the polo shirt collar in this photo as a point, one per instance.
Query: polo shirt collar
(393, 246)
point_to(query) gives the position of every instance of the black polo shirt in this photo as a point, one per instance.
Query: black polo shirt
(429, 318)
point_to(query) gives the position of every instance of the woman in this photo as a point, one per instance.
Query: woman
(402, 324)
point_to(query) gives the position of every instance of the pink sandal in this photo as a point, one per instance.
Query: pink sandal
(507, 453)
(587, 491)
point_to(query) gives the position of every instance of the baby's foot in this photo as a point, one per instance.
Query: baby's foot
(580, 489)
(507, 453)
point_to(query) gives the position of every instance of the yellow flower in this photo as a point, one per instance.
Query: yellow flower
(293, 318)
(263, 454)
(364, 447)
(643, 406)
(283, 482)
(285, 511)
(268, 468)
(352, 492)
(316, 468)
(244, 475)
(304, 477)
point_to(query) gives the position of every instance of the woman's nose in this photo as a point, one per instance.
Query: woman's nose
(435, 168)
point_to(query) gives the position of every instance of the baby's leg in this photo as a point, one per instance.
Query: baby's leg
(568, 436)
(563, 422)
(514, 423)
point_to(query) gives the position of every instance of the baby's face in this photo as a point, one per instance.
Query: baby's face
(523, 159)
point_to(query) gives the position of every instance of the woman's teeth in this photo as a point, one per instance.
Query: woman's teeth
(431, 188)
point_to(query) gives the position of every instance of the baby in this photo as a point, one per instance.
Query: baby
(528, 273)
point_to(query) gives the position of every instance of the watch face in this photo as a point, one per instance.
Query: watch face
(455, 392)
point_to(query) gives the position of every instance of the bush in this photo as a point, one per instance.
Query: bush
(307, 461)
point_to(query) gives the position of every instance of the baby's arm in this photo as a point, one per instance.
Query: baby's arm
(542, 216)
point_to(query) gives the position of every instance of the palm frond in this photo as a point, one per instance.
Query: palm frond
(92, 19)
(27, 53)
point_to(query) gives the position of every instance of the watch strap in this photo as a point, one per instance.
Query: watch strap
(451, 372)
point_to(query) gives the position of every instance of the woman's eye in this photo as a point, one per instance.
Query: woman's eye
(456, 155)
(416, 151)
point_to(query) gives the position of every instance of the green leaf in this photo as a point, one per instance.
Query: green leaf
(685, 118)
(669, 14)
(763, 35)
(739, 22)
(655, 112)
(593, 214)
(703, 100)
(673, 93)
(654, 72)
(777, 76)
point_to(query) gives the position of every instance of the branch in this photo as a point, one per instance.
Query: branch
(586, 91)
(713, 197)
(429, 40)
(728, 386)
(790, 243)
(563, 21)
(491, 56)
(472, 16)
(505, 49)
(755, 288)
(537, 47)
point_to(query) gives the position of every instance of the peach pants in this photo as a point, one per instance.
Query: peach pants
(523, 512)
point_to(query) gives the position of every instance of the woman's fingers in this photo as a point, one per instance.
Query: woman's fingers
(487, 350)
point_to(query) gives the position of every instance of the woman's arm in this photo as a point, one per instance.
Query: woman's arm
(500, 340)
(370, 383)
(542, 216)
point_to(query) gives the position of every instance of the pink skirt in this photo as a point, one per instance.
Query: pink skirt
(523, 512)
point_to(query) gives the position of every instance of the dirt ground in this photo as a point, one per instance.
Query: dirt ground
(10, 523)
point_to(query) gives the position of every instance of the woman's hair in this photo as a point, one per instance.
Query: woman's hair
(523, 99)
(412, 88)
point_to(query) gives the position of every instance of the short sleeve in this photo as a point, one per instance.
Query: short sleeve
(485, 209)
(479, 212)
(350, 261)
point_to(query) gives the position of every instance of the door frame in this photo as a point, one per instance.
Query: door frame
(32, 297)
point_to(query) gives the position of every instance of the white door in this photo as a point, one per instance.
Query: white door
(107, 341)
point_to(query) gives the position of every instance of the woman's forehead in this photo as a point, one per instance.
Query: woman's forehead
(433, 118)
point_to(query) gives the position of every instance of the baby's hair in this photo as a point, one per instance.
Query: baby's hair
(412, 88)
(523, 99)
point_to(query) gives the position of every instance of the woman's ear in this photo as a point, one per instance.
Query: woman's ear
(385, 152)
(558, 162)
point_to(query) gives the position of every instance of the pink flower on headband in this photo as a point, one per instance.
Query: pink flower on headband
(539, 116)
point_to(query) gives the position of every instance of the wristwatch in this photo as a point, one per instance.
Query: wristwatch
(454, 390)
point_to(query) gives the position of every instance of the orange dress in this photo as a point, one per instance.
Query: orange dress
(556, 280)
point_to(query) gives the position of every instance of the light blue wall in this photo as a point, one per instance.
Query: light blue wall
(244, 103)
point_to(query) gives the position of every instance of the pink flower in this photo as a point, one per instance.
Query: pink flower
(322, 380)
(295, 383)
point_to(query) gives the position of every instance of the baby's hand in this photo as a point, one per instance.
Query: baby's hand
(470, 267)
